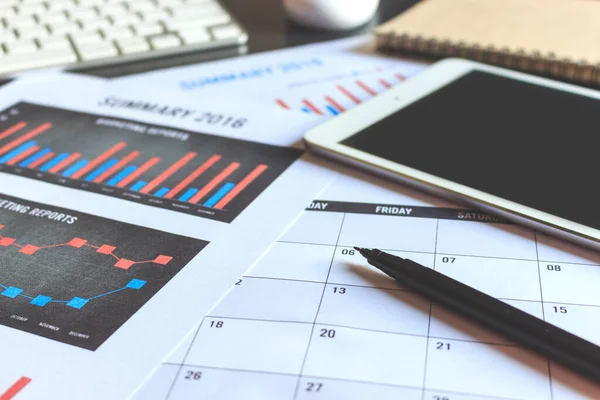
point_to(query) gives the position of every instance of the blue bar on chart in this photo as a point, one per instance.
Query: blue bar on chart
(54, 162)
(34, 157)
(161, 192)
(75, 167)
(137, 186)
(11, 292)
(332, 110)
(121, 175)
(188, 194)
(219, 194)
(306, 110)
(77, 302)
(41, 300)
(16, 151)
(101, 169)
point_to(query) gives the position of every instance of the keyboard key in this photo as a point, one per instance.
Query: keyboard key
(165, 41)
(30, 9)
(194, 36)
(55, 43)
(183, 23)
(142, 6)
(156, 15)
(133, 45)
(83, 14)
(126, 19)
(38, 59)
(87, 38)
(95, 51)
(226, 32)
(54, 17)
(64, 28)
(101, 23)
(118, 33)
(147, 29)
(24, 22)
(61, 5)
(39, 31)
(21, 46)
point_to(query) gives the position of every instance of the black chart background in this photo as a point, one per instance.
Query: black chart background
(65, 272)
(78, 132)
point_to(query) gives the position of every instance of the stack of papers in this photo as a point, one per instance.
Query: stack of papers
(165, 236)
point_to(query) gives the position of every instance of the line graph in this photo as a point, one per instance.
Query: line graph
(79, 243)
(76, 278)
(76, 302)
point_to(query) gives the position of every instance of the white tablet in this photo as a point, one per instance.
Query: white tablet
(515, 145)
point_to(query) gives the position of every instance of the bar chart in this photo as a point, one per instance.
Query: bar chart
(194, 173)
(335, 95)
(76, 278)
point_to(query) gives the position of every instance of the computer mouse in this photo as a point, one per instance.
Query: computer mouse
(331, 14)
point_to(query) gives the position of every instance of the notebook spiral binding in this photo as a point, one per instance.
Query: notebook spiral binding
(536, 62)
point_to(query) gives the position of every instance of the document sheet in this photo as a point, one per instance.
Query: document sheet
(123, 219)
(312, 320)
(323, 79)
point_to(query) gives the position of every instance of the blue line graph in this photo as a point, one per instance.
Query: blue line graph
(76, 302)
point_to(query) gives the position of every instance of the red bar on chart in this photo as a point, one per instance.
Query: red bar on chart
(168, 172)
(40, 160)
(29, 135)
(64, 163)
(282, 104)
(312, 107)
(385, 83)
(400, 77)
(348, 94)
(191, 177)
(101, 158)
(15, 388)
(367, 89)
(23, 155)
(143, 168)
(214, 182)
(241, 186)
(7, 132)
(335, 104)
(128, 158)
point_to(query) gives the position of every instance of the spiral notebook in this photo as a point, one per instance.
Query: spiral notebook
(556, 38)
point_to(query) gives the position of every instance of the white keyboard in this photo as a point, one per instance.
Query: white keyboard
(45, 33)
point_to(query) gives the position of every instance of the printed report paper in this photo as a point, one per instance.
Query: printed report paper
(312, 320)
(322, 79)
(123, 218)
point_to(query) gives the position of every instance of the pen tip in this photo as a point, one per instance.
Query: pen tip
(363, 252)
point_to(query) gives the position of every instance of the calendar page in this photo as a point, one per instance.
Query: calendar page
(312, 320)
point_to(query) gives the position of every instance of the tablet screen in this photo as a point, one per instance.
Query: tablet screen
(523, 142)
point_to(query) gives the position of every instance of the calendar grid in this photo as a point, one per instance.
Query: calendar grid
(312, 331)
(437, 230)
(294, 293)
(478, 396)
(537, 254)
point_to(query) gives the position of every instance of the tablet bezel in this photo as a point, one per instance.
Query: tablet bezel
(326, 139)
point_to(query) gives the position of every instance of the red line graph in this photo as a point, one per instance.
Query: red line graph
(79, 243)
(15, 388)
